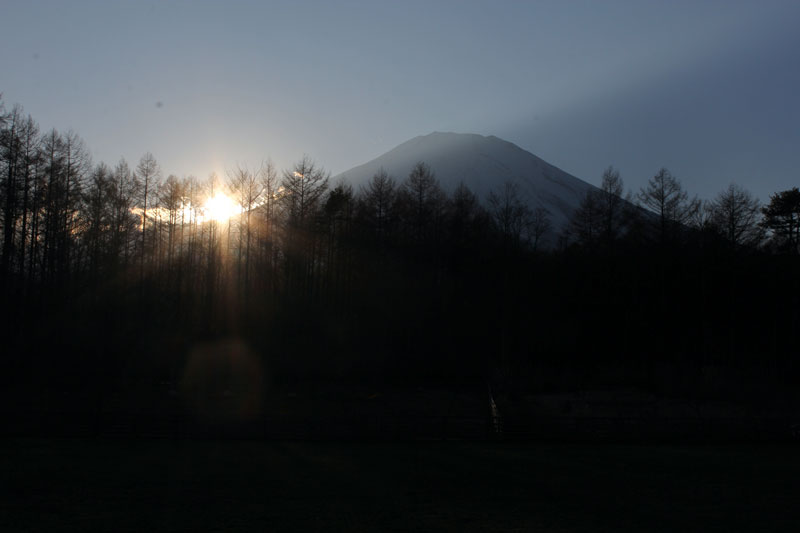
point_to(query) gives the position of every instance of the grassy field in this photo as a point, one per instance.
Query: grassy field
(183, 485)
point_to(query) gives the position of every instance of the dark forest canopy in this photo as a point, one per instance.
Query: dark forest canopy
(117, 271)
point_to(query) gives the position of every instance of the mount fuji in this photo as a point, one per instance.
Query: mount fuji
(483, 164)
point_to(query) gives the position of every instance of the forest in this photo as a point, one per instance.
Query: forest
(111, 276)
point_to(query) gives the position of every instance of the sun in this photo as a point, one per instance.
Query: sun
(220, 208)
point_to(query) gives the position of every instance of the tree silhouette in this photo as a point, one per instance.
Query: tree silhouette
(97, 218)
(268, 224)
(31, 159)
(782, 218)
(588, 223)
(11, 153)
(124, 192)
(511, 216)
(303, 189)
(540, 226)
(422, 202)
(147, 172)
(735, 213)
(665, 197)
(246, 188)
(612, 205)
(377, 205)
(338, 216)
(171, 196)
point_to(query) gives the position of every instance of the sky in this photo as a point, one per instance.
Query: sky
(710, 90)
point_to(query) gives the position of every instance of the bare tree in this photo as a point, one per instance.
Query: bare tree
(611, 204)
(10, 156)
(147, 172)
(30, 166)
(20, 158)
(338, 214)
(303, 190)
(51, 163)
(510, 215)
(65, 162)
(672, 206)
(304, 186)
(422, 202)
(246, 187)
(703, 219)
(540, 225)
(376, 204)
(467, 217)
(77, 164)
(171, 197)
(601, 214)
(735, 213)
(587, 222)
(97, 218)
(125, 190)
(268, 214)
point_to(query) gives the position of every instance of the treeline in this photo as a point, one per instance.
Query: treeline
(663, 213)
(114, 275)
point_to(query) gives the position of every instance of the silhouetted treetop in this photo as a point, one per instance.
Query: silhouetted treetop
(782, 218)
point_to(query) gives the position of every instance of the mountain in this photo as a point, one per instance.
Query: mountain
(483, 164)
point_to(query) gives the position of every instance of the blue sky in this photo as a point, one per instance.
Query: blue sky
(710, 90)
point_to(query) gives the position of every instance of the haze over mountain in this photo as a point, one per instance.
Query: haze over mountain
(483, 164)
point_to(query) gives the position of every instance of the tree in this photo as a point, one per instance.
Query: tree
(303, 190)
(377, 204)
(467, 217)
(510, 215)
(189, 223)
(540, 225)
(48, 216)
(124, 191)
(147, 172)
(423, 201)
(97, 215)
(76, 165)
(703, 219)
(304, 186)
(246, 188)
(268, 217)
(611, 204)
(587, 222)
(672, 206)
(735, 214)
(65, 164)
(600, 218)
(782, 219)
(338, 213)
(30, 146)
(171, 197)
(10, 157)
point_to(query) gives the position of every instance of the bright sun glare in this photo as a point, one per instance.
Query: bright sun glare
(220, 208)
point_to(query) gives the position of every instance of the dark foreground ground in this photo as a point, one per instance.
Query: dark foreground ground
(205, 485)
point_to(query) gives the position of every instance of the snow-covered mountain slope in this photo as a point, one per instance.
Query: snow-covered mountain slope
(483, 164)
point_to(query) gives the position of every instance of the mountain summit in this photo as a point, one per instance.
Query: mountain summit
(483, 164)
